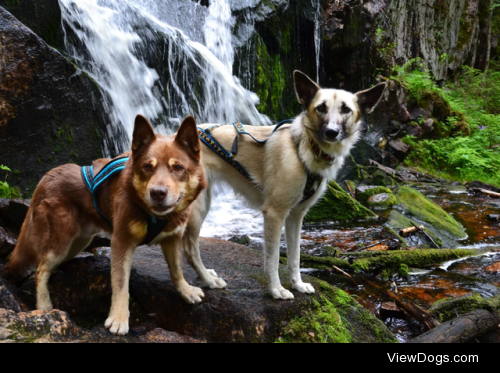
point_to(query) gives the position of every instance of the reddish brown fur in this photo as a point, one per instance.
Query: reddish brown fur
(62, 218)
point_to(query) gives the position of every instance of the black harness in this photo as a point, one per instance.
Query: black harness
(114, 167)
(312, 182)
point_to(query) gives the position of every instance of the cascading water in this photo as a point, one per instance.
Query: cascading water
(117, 42)
(318, 17)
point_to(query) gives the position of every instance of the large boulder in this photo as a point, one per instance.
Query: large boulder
(244, 312)
(51, 112)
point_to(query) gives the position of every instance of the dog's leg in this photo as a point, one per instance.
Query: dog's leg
(191, 240)
(42, 276)
(172, 250)
(54, 229)
(121, 265)
(293, 227)
(273, 225)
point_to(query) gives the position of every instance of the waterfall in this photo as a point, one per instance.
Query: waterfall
(116, 40)
(318, 19)
(149, 58)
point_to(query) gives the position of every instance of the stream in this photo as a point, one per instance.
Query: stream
(424, 286)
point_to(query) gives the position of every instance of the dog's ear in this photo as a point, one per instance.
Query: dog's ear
(143, 136)
(305, 88)
(369, 99)
(187, 138)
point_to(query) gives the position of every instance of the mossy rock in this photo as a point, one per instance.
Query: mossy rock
(413, 206)
(382, 201)
(335, 317)
(364, 193)
(380, 178)
(338, 205)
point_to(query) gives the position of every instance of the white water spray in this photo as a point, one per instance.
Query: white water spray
(318, 18)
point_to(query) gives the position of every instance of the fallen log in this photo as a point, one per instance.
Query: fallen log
(462, 329)
(486, 192)
(411, 308)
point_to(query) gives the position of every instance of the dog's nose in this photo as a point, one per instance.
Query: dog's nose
(331, 134)
(158, 194)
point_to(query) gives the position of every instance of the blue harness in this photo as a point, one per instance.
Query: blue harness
(114, 167)
(207, 138)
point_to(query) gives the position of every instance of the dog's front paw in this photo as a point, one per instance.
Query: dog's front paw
(191, 294)
(117, 326)
(213, 281)
(304, 288)
(281, 293)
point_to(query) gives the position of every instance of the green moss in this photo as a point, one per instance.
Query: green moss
(321, 324)
(417, 205)
(335, 317)
(404, 244)
(338, 205)
(363, 197)
(262, 79)
(450, 308)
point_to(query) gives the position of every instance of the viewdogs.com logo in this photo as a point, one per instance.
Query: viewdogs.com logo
(436, 359)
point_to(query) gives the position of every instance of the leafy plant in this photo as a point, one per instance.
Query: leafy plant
(6, 191)
(475, 94)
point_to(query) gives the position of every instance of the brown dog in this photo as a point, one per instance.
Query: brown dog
(161, 179)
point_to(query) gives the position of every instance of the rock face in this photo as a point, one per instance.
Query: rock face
(50, 111)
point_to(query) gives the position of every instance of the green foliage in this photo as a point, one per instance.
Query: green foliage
(466, 158)
(416, 78)
(6, 191)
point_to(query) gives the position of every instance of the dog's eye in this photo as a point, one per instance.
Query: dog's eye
(321, 108)
(178, 168)
(345, 110)
(148, 167)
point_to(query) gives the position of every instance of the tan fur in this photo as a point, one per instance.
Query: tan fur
(279, 168)
(62, 219)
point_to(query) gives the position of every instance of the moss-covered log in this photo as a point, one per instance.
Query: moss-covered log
(449, 308)
(390, 261)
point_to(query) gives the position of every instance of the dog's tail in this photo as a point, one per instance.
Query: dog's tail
(23, 258)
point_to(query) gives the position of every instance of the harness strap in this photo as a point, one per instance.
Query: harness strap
(155, 225)
(206, 137)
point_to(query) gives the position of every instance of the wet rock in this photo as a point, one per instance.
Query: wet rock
(404, 114)
(9, 297)
(44, 95)
(428, 126)
(7, 243)
(382, 201)
(338, 205)
(243, 312)
(494, 268)
(80, 287)
(102, 251)
(406, 176)
(390, 310)
(414, 206)
(162, 336)
(13, 211)
(242, 240)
